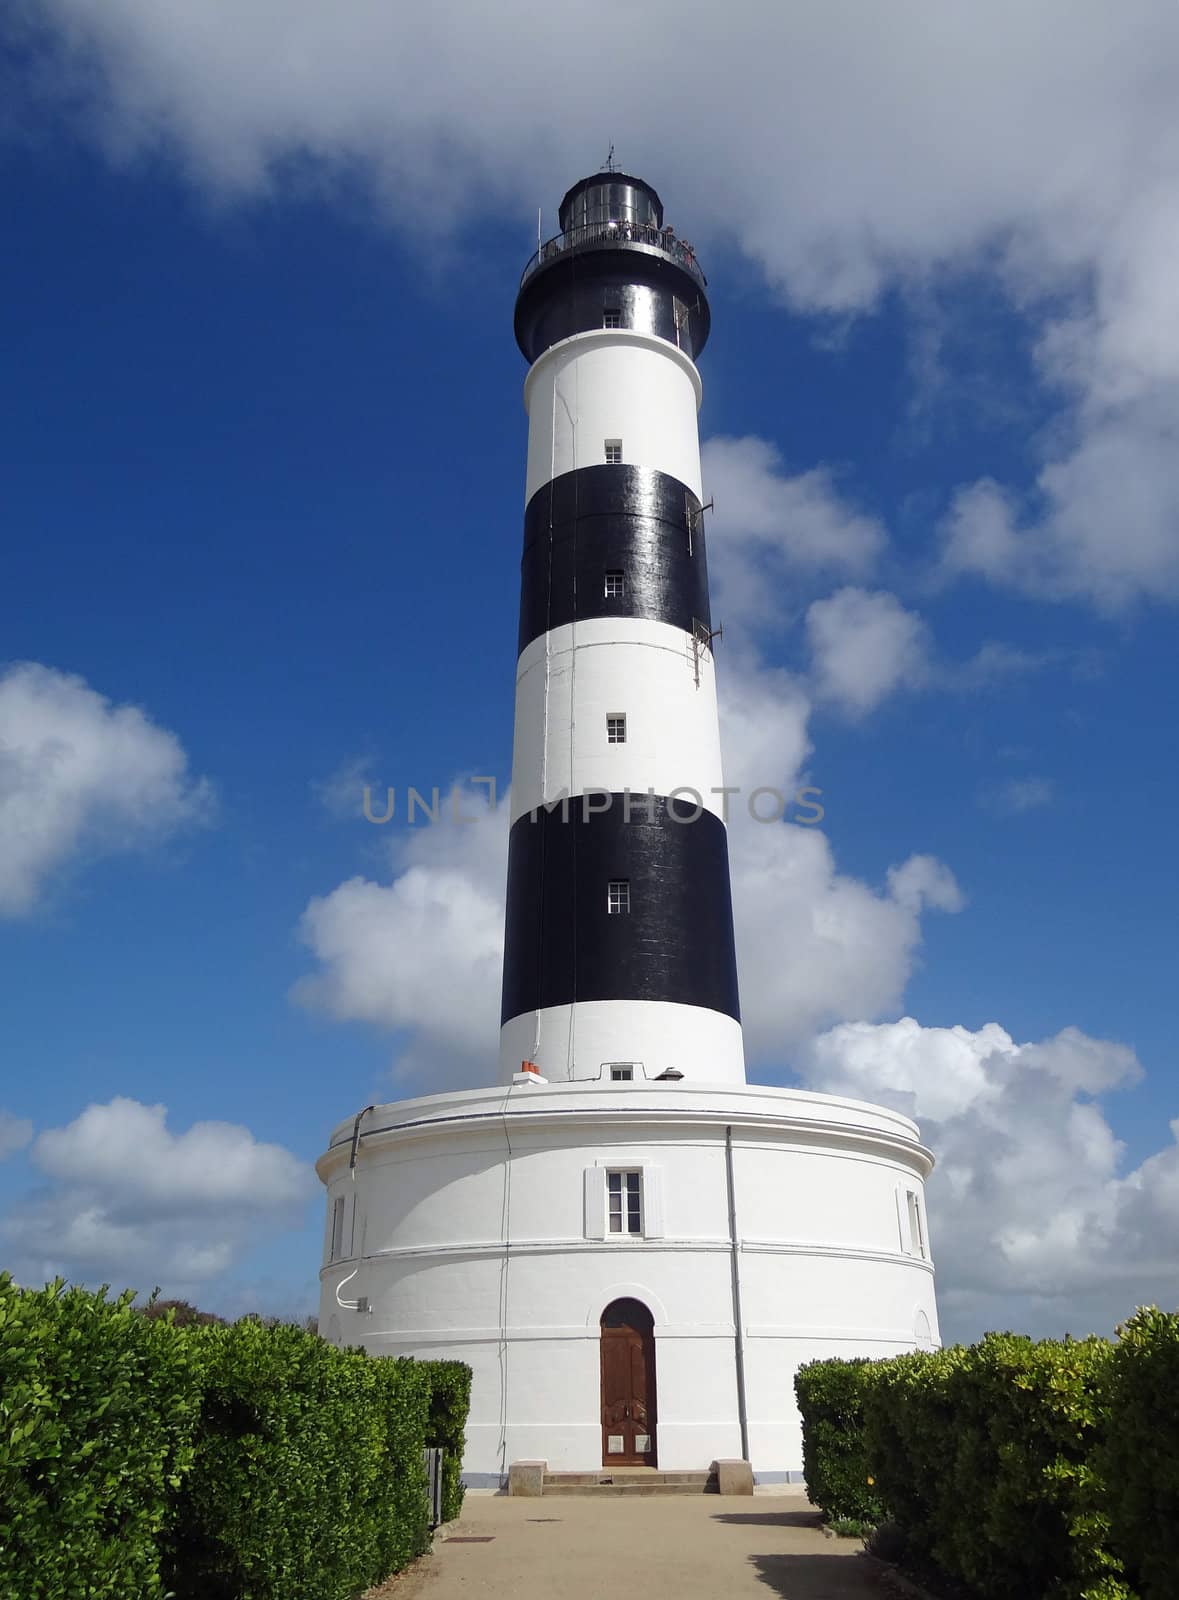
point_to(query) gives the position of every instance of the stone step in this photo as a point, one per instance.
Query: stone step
(635, 1481)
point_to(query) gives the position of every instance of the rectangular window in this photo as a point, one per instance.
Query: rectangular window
(616, 728)
(615, 585)
(916, 1228)
(612, 319)
(613, 452)
(618, 897)
(624, 1205)
(681, 322)
(621, 1072)
(337, 1244)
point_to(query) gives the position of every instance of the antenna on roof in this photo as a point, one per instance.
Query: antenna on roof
(609, 166)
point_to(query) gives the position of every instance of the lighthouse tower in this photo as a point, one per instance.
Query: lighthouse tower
(633, 1248)
(618, 956)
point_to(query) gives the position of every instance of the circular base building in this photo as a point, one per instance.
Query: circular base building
(633, 1270)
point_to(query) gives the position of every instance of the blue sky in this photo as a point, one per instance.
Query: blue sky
(262, 465)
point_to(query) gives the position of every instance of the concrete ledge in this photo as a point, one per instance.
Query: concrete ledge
(527, 1478)
(485, 1480)
(733, 1477)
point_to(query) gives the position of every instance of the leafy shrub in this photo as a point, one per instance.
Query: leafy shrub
(307, 1477)
(1139, 1459)
(831, 1400)
(983, 1456)
(97, 1406)
(450, 1400)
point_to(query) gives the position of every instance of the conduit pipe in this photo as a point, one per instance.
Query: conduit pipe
(738, 1321)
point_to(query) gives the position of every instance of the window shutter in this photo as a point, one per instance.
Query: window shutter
(653, 1202)
(903, 1220)
(595, 1202)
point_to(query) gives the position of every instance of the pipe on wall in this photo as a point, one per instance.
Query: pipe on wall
(738, 1321)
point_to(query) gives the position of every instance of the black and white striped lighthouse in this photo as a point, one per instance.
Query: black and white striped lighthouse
(618, 958)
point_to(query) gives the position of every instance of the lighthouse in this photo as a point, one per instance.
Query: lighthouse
(632, 1247)
(618, 951)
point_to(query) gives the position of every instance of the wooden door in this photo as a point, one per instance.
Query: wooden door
(628, 1385)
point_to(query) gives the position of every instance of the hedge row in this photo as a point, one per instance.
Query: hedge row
(450, 1401)
(1014, 1467)
(210, 1462)
(834, 1455)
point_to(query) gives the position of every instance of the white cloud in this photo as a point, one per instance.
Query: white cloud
(15, 1134)
(80, 776)
(341, 793)
(1017, 795)
(425, 951)
(845, 149)
(1034, 1221)
(864, 646)
(770, 529)
(128, 1200)
(813, 944)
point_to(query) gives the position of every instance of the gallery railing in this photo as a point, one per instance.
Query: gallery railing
(594, 235)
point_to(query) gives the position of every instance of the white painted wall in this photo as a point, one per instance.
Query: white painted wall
(572, 678)
(612, 384)
(439, 1193)
(568, 1042)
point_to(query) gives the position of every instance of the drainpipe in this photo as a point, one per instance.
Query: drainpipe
(360, 1116)
(738, 1322)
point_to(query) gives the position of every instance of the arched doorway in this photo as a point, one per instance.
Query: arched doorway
(628, 1385)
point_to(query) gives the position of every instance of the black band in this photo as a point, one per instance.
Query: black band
(676, 942)
(634, 521)
(575, 292)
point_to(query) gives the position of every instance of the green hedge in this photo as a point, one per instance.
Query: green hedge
(450, 1401)
(308, 1476)
(1139, 1460)
(225, 1463)
(830, 1398)
(1012, 1467)
(97, 1406)
(982, 1455)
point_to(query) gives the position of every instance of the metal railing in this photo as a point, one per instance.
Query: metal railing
(594, 235)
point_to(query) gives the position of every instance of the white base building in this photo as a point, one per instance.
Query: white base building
(476, 1226)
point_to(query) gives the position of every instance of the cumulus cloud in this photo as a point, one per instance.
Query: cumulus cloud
(813, 944)
(424, 952)
(864, 646)
(773, 529)
(80, 776)
(126, 1200)
(15, 1133)
(844, 149)
(1035, 1221)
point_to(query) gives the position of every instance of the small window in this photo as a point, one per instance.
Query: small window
(613, 452)
(615, 585)
(681, 322)
(337, 1245)
(618, 897)
(916, 1227)
(616, 729)
(612, 319)
(624, 1205)
(621, 1072)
